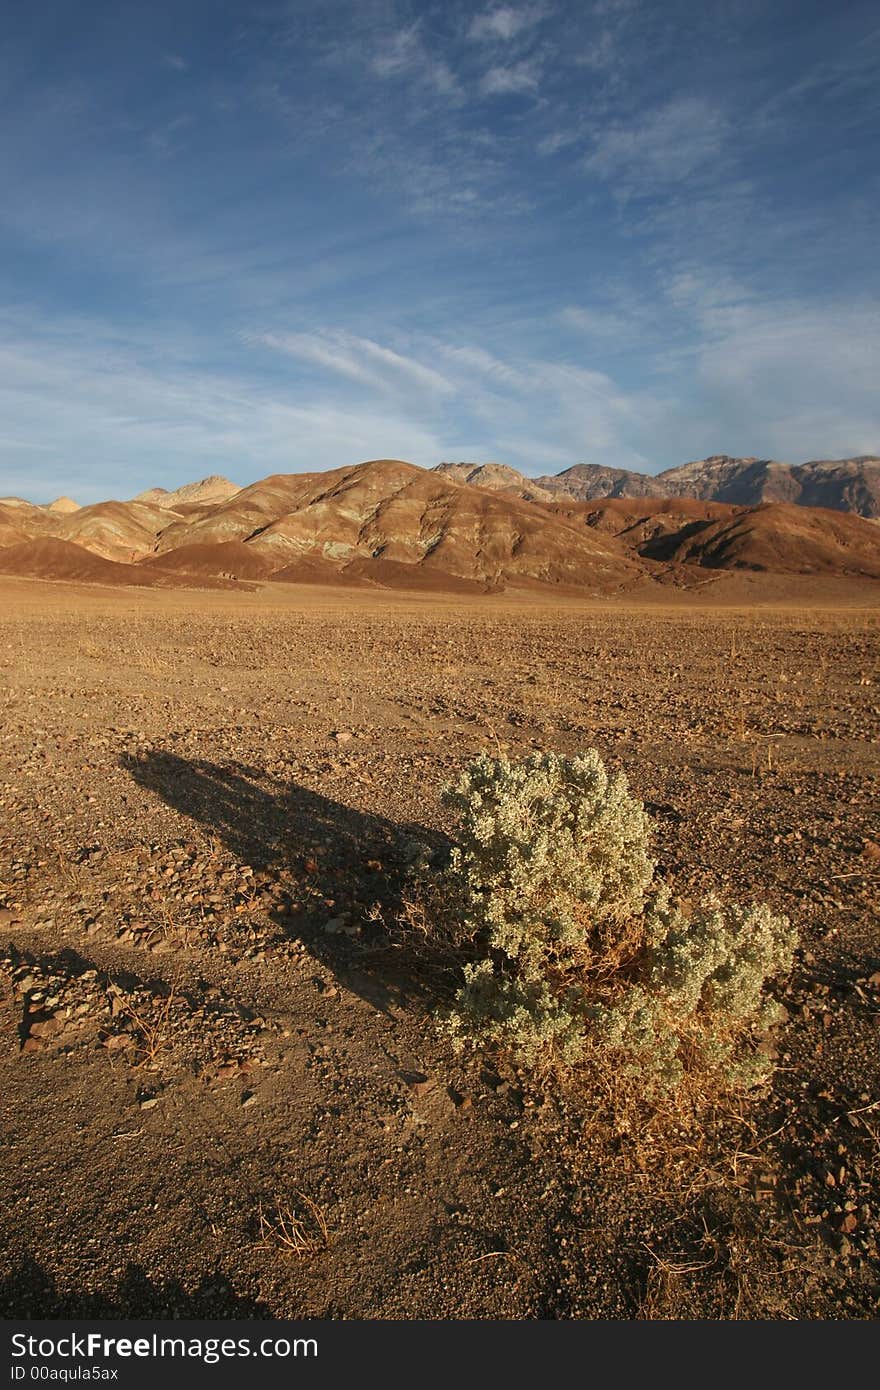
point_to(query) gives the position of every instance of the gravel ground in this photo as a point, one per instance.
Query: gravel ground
(223, 1093)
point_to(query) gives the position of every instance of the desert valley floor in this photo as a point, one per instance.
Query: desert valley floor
(208, 1038)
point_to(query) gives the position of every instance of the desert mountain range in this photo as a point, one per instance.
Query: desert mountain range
(459, 526)
(845, 485)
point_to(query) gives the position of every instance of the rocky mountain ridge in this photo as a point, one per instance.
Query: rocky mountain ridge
(846, 485)
(391, 524)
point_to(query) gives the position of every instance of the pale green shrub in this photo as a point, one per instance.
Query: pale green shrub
(551, 886)
(700, 998)
(552, 855)
(521, 1016)
(718, 959)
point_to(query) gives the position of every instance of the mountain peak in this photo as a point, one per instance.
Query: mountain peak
(495, 477)
(214, 488)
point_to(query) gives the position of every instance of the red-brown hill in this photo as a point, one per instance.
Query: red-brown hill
(784, 539)
(49, 557)
(225, 559)
(123, 531)
(779, 538)
(391, 511)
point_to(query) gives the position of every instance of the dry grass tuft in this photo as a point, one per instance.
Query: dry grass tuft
(299, 1230)
(151, 1033)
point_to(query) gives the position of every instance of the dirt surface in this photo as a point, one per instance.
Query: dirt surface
(223, 1093)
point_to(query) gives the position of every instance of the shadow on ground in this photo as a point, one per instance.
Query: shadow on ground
(29, 1291)
(331, 860)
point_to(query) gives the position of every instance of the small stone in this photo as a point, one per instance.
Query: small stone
(149, 1103)
(46, 1028)
(247, 1100)
(342, 736)
(32, 1045)
(418, 1083)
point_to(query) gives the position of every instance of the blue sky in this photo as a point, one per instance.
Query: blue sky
(247, 237)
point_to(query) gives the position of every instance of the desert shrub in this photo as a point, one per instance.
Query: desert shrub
(574, 950)
(552, 859)
(522, 1015)
(699, 1003)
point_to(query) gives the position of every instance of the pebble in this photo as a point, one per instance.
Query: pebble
(46, 1028)
(419, 1083)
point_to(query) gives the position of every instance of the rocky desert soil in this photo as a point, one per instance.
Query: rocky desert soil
(223, 1092)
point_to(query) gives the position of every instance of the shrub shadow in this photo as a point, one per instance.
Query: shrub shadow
(326, 862)
(29, 1291)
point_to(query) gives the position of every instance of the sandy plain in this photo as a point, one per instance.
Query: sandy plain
(223, 1093)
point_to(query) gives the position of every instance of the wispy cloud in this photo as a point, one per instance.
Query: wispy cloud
(470, 360)
(847, 83)
(360, 359)
(516, 78)
(559, 140)
(601, 54)
(626, 324)
(803, 376)
(404, 55)
(585, 414)
(108, 413)
(109, 417)
(505, 22)
(166, 139)
(664, 146)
